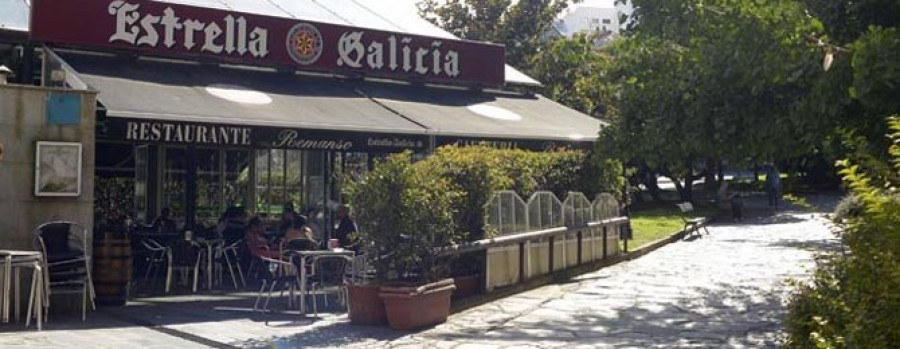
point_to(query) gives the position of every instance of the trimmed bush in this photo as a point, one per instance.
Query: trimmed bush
(479, 171)
(404, 212)
(405, 209)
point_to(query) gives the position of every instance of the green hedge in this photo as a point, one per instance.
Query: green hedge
(479, 171)
(408, 207)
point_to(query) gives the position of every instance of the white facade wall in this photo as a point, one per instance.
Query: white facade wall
(588, 19)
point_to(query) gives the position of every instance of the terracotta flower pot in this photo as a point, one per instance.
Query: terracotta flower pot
(366, 308)
(466, 286)
(412, 306)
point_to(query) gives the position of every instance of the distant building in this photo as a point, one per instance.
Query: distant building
(601, 17)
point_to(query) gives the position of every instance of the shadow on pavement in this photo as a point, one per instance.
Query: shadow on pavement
(709, 319)
(331, 335)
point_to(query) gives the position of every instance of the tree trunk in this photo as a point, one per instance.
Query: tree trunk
(755, 172)
(647, 177)
(721, 171)
(710, 182)
(710, 175)
(684, 190)
(652, 184)
(687, 193)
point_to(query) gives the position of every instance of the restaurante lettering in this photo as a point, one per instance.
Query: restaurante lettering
(139, 29)
(193, 134)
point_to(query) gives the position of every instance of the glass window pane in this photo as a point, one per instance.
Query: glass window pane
(276, 197)
(237, 178)
(315, 182)
(294, 178)
(173, 186)
(209, 199)
(141, 177)
(262, 181)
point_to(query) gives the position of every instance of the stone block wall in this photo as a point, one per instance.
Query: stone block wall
(23, 122)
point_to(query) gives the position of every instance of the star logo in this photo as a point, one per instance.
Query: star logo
(304, 43)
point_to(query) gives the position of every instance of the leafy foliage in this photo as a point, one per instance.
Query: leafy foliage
(406, 209)
(701, 82)
(519, 25)
(473, 171)
(845, 21)
(404, 213)
(853, 300)
(573, 73)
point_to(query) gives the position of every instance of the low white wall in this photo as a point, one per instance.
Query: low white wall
(503, 262)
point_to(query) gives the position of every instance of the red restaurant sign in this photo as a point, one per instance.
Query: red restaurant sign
(163, 29)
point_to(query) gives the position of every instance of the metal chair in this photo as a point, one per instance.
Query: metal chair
(329, 277)
(231, 253)
(277, 272)
(185, 258)
(157, 255)
(359, 270)
(36, 297)
(66, 261)
(18, 261)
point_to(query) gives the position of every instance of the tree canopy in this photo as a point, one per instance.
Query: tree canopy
(695, 83)
(573, 72)
(519, 25)
(703, 81)
(700, 82)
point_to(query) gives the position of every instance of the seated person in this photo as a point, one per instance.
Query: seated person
(164, 224)
(312, 217)
(344, 227)
(737, 207)
(257, 242)
(231, 225)
(287, 219)
(299, 236)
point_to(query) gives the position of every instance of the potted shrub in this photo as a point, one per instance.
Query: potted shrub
(372, 198)
(405, 213)
(364, 306)
(467, 271)
(476, 172)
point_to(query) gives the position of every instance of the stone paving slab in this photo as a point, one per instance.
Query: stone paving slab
(100, 331)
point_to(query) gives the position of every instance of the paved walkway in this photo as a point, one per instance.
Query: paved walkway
(726, 289)
(722, 290)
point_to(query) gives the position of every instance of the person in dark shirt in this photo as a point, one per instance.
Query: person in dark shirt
(231, 225)
(164, 224)
(287, 219)
(773, 185)
(344, 227)
(299, 236)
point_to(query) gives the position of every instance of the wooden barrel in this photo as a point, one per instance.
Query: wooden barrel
(112, 270)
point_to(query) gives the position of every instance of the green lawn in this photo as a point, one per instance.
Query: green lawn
(657, 221)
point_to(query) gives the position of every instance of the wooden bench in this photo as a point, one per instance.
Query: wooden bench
(691, 225)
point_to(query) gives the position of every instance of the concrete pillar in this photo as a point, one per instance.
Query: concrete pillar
(23, 122)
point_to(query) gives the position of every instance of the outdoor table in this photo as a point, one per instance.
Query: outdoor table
(303, 256)
(11, 257)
